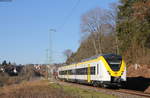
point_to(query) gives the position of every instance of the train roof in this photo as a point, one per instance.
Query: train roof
(96, 56)
(91, 58)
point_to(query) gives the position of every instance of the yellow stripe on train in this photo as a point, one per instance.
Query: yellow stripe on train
(113, 73)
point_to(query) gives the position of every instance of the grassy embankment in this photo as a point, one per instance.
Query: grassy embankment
(44, 89)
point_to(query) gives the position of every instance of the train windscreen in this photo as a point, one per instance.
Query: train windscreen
(114, 61)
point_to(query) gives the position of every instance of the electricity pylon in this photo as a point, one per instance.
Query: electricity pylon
(49, 53)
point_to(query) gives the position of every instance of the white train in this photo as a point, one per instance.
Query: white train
(101, 70)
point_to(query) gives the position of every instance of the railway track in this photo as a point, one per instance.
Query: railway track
(134, 92)
(122, 93)
(126, 91)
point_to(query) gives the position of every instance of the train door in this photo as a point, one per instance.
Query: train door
(100, 69)
(67, 75)
(88, 74)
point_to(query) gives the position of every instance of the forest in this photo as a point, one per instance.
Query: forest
(123, 28)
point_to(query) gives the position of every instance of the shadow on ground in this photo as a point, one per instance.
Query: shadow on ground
(138, 83)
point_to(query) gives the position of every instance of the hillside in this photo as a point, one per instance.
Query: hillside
(123, 29)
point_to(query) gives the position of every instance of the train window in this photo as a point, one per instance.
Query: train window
(92, 70)
(114, 61)
(81, 71)
(63, 72)
(70, 72)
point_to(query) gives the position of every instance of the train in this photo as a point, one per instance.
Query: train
(104, 70)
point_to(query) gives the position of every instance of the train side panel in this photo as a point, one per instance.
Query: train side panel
(103, 75)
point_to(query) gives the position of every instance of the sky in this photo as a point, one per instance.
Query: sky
(25, 28)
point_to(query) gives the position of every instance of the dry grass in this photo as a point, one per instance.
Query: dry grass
(3, 79)
(45, 89)
(35, 89)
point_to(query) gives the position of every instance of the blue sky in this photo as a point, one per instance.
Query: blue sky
(25, 26)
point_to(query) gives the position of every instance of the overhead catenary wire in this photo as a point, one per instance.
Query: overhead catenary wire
(69, 15)
(66, 19)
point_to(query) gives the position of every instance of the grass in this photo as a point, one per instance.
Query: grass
(81, 92)
(44, 89)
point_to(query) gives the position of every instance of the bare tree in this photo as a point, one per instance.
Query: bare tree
(99, 22)
(68, 53)
(96, 23)
(112, 14)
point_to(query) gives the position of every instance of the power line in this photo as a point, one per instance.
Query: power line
(49, 57)
(69, 15)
